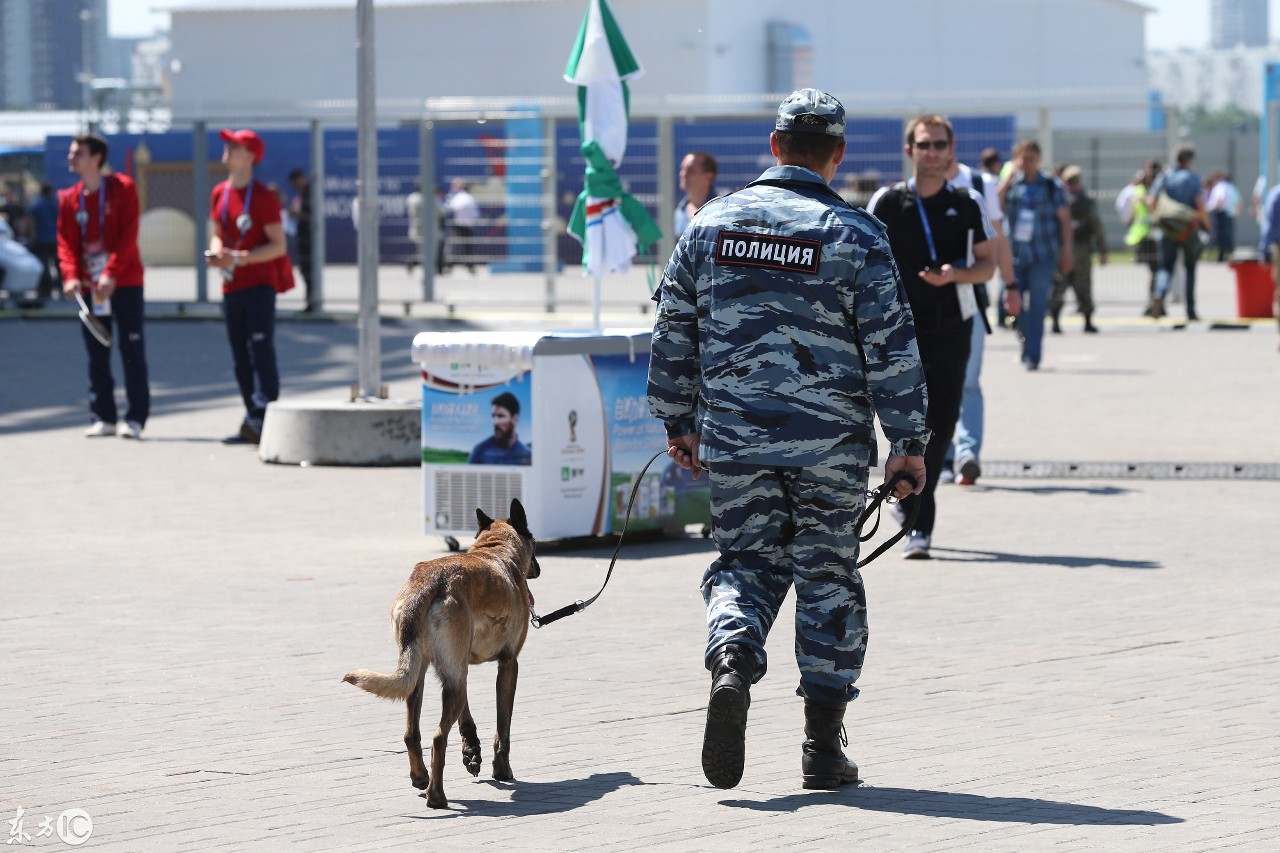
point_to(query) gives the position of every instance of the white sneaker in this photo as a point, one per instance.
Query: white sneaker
(99, 429)
(917, 547)
(129, 429)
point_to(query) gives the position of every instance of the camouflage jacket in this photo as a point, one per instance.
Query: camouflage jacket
(782, 327)
(1086, 227)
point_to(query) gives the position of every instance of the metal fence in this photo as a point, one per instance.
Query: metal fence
(522, 165)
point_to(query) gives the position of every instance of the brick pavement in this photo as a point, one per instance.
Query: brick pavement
(1089, 664)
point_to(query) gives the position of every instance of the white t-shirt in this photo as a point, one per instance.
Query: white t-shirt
(464, 208)
(1124, 202)
(965, 178)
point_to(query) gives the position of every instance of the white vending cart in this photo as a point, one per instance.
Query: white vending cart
(556, 419)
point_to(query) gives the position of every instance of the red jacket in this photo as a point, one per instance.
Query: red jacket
(119, 230)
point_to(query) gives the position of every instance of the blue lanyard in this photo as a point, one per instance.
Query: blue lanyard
(83, 218)
(924, 222)
(248, 200)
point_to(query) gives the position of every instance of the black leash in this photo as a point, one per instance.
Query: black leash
(578, 606)
(878, 496)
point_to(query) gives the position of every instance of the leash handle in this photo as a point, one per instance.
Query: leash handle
(879, 496)
(555, 615)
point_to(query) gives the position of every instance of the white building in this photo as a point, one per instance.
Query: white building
(277, 58)
(1212, 79)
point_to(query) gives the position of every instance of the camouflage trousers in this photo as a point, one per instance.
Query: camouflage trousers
(775, 527)
(1079, 280)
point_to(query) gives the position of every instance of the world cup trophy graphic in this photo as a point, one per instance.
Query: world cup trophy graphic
(573, 426)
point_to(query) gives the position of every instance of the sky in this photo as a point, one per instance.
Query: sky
(1174, 24)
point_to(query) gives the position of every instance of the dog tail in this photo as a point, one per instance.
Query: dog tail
(399, 684)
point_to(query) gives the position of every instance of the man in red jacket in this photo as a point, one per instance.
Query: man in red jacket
(98, 254)
(248, 248)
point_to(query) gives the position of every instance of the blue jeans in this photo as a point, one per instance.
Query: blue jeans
(969, 428)
(1035, 280)
(127, 310)
(251, 326)
(1169, 251)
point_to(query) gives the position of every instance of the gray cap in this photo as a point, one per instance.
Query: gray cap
(810, 111)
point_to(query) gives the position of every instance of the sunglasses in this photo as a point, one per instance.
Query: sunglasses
(935, 144)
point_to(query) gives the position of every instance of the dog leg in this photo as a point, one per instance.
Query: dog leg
(508, 669)
(453, 700)
(413, 735)
(471, 757)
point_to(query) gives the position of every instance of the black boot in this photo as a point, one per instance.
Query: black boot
(1057, 327)
(1088, 325)
(724, 742)
(824, 764)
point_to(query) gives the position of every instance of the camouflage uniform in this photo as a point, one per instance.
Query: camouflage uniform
(1087, 231)
(781, 327)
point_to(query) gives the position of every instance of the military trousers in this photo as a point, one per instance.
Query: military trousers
(1079, 281)
(776, 527)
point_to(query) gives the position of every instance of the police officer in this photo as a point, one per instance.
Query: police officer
(1088, 233)
(781, 326)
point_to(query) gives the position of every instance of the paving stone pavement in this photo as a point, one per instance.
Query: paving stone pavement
(1087, 664)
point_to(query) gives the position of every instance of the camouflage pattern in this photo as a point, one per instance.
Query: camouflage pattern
(778, 357)
(776, 526)
(810, 102)
(1087, 234)
(782, 329)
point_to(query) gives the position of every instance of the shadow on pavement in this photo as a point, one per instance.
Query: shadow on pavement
(1070, 562)
(535, 798)
(909, 801)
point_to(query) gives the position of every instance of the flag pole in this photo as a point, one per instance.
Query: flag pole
(595, 303)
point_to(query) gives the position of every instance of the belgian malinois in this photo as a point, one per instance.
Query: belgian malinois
(455, 611)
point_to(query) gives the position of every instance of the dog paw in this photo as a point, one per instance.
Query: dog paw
(420, 782)
(502, 771)
(437, 801)
(471, 758)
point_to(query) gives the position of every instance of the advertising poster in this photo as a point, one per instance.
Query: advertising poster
(667, 495)
(485, 421)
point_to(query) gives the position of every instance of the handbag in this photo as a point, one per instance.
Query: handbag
(1176, 220)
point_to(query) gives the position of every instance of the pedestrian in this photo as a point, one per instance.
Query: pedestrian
(248, 249)
(698, 172)
(300, 209)
(1224, 205)
(1037, 210)
(413, 211)
(1086, 234)
(98, 253)
(966, 448)
(1270, 242)
(1177, 204)
(780, 333)
(44, 245)
(933, 228)
(464, 218)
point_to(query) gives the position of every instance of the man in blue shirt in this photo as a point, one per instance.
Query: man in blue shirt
(44, 218)
(1270, 243)
(1183, 186)
(503, 447)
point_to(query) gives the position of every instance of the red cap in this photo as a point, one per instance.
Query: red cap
(248, 139)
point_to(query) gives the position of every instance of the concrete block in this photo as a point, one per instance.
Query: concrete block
(362, 433)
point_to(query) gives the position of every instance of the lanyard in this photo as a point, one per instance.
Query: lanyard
(924, 221)
(243, 222)
(82, 217)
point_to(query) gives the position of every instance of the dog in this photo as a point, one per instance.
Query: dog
(455, 611)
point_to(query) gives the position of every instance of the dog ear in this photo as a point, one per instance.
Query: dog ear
(517, 518)
(484, 520)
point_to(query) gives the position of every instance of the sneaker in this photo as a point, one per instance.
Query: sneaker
(917, 547)
(100, 429)
(129, 429)
(947, 475)
(246, 435)
(970, 471)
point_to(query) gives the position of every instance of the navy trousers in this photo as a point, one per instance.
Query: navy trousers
(250, 315)
(127, 310)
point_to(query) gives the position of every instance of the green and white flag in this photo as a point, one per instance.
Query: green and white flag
(608, 221)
